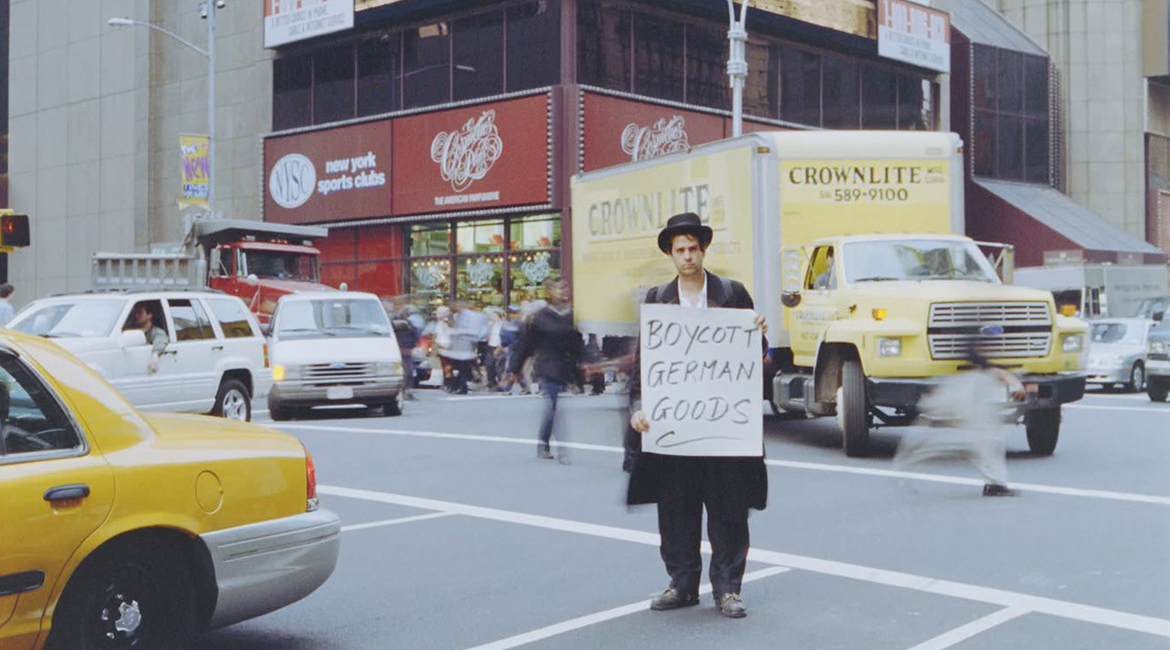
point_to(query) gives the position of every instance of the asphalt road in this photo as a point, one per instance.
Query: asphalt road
(457, 537)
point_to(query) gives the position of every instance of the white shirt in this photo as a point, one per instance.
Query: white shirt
(701, 303)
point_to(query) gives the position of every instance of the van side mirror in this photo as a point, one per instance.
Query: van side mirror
(1158, 316)
(131, 338)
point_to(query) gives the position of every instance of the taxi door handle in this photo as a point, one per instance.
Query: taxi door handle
(67, 492)
(15, 583)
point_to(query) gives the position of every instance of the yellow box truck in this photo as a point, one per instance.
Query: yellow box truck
(851, 244)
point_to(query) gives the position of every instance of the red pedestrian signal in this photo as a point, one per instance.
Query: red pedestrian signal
(14, 230)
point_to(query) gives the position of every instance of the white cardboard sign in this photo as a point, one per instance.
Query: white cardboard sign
(702, 374)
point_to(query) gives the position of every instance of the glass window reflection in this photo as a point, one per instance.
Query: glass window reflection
(536, 232)
(479, 237)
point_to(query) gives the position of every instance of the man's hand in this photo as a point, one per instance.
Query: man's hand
(152, 367)
(762, 323)
(639, 422)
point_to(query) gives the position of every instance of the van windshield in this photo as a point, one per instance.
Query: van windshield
(79, 319)
(346, 317)
(915, 260)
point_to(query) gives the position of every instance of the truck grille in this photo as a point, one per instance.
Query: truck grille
(979, 313)
(339, 374)
(996, 330)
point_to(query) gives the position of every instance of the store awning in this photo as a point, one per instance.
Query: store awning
(986, 26)
(1070, 220)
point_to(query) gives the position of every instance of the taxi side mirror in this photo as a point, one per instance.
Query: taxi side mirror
(131, 338)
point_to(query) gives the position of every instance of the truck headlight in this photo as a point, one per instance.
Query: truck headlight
(388, 369)
(1072, 343)
(281, 372)
(1157, 347)
(889, 347)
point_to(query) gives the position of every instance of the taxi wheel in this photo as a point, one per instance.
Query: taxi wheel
(233, 401)
(131, 595)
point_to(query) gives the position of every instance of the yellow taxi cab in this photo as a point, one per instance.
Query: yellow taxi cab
(120, 529)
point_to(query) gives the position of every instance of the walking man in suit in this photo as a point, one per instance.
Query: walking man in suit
(683, 485)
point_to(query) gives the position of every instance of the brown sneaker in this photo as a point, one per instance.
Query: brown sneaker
(673, 599)
(731, 606)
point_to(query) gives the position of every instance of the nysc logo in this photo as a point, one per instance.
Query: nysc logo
(292, 180)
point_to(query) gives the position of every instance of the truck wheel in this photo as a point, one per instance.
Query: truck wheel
(1158, 389)
(853, 410)
(1043, 427)
(131, 595)
(233, 401)
(1137, 377)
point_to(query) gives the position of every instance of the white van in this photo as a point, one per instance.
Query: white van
(333, 347)
(215, 360)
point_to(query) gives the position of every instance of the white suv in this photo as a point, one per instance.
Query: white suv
(215, 360)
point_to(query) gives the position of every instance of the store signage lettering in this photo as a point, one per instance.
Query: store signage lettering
(359, 172)
(286, 21)
(873, 175)
(645, 214)
(292, 180)
(467, 155)
(663, 137)
(914, 34)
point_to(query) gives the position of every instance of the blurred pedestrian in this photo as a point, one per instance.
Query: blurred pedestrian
(682, 486)
(556, 345)
(6, 309)
(967, 413)
(407, 334)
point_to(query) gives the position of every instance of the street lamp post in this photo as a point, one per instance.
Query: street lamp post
(737, 67)
(207, 11)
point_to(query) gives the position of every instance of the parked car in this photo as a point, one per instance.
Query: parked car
(1117, 352)
(131, 530)
(1158, 361)
(216, 360)
(331, 348)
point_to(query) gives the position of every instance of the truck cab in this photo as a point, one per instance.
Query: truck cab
(874, 320)
(260, 272)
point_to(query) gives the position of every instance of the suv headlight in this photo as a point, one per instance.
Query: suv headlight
(1157, 347)
(889, 347)
(387, 368)
(1072, 343)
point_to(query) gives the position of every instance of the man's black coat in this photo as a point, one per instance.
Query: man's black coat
(733, 484)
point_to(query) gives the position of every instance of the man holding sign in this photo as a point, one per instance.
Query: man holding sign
(696, 398)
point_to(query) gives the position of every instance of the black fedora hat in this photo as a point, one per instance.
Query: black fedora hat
(687, 223)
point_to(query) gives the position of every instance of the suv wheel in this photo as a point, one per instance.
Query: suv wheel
(233, 401)
(1158, 389)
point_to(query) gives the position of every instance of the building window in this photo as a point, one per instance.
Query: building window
(706, 71)
(292, 86)
(841, 94)
(533, 45)
(761, 91)
(879, 99)
(605, 44)
(658, 57)
(478, 45)
(333, 84)
(800, 86)
(378, 65)
(1011, 121)
(426, 69)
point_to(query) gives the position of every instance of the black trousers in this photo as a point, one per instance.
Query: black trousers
(680, 523)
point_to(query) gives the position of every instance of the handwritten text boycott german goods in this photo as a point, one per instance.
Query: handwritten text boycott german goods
(701, 381)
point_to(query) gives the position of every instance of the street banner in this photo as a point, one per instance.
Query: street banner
(194, 169)
(288, 21)
(701, 381)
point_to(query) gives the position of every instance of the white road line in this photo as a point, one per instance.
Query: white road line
(1064, 609)
(600, 617)
(1132, 409)
(962, 633)
(791, 464)
(395, 522)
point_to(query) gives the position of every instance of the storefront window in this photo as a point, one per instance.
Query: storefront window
(879, 99)
(842, 97)
(479, 237)
(377, 74)
(426, 76)
(529, 271)
(430, 282)
(481, 280)
(533, 45)
(333, 84)
(536, 232)
(292, 87)
(430, 239)
(478, 44)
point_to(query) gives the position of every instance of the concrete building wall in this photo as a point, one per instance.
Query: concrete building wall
(1096, 48)
(95, 116)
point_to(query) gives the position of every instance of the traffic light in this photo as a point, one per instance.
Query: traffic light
(13, 230)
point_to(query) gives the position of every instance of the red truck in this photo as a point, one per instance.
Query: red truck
(255, 260)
